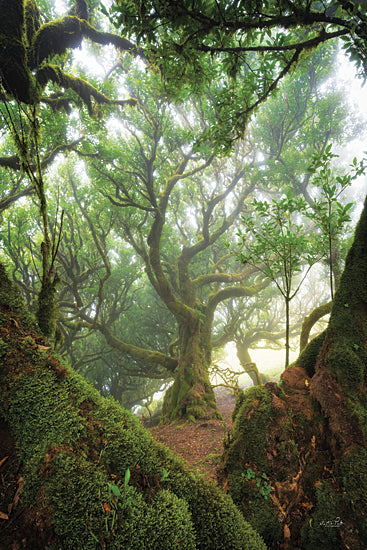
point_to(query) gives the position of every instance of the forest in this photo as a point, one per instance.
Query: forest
(183, 275)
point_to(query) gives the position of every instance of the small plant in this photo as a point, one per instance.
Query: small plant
(115, 501)
(262, 482)
(165, 475)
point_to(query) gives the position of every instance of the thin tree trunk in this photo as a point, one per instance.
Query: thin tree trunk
(286, 332)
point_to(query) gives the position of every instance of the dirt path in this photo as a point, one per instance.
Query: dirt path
(201, 444)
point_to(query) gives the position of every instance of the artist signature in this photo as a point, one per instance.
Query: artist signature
(337, 522)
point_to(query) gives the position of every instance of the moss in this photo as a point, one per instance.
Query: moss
(318, 531)
(76, 501)
(257, 509)
(11, 298)
(261, 515)
(212, 509)
(345, 362)
(310, 354)
(122, 520)
(348, 312)
(57, 36)
(246, 450)
(17, 79)
(249, 430)
(353, 471)
(191, 396)
(32, 19)
(4, 347)
(47, 309)
(168, 523)
(240, 396)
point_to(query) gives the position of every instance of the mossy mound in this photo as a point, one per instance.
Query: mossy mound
(244, 466)
(92, 476)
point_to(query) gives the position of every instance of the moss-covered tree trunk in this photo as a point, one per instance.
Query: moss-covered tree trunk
(191, 396)
(296, 462)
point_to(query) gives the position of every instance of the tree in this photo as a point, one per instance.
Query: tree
(278, 244)
(331, 214)
(152, 183)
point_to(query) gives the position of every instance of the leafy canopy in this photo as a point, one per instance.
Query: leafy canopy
(248, 46)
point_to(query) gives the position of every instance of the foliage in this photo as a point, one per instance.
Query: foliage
(277, 243)
(330, 214)
(252, 46)
(261, 482)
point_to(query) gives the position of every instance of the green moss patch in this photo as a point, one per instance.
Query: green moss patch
(322, 530)
(344, 361)
(310, 354)
(250, 425)
(244, 462)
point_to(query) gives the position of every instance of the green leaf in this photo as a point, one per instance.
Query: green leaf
(114, 489)
(127, 476)
(103, 9)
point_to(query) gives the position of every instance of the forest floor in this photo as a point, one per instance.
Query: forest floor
(201, 444)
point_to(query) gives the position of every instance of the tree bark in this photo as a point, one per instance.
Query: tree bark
(250, 367)
(310, 321)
